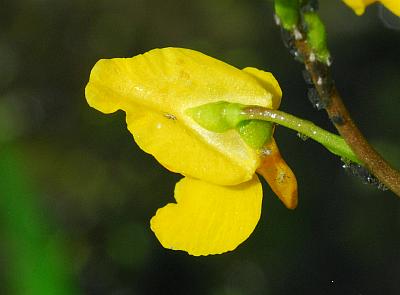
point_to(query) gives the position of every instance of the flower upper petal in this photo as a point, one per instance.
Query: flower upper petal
(392, 5)
(359, 5)
(267, 81)
(158, 86)
(207, 218)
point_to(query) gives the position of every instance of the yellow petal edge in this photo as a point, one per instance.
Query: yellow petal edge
(155, 89)
(207, 218)
(359, 5)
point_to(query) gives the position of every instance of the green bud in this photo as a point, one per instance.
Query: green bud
(255, 133)
(316, 36)
(288, 13)
(217, 117)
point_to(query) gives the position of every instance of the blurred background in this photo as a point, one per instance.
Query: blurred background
(77, 194)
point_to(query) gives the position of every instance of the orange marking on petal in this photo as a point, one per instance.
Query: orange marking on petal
(279, 176)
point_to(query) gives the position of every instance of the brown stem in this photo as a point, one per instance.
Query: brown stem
(331, 101)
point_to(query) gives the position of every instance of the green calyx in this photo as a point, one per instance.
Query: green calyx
(217, 117)
(255, 125)
(223, 116)
(255, 133)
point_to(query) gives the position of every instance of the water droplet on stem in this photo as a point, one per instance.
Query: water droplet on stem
(302, 136)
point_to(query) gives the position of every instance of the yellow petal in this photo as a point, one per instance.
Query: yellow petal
(267, 81)
(279, 176)
(392, 5)
(359, 5)
(179, 149)
(207, 218)
(158, 86)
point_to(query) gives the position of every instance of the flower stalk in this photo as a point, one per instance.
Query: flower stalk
(334, 143)
(222, 116)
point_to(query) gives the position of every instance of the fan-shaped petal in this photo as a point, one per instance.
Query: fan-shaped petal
(156, 88)
(207, 218)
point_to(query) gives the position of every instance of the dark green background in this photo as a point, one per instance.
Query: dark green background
(98, 191)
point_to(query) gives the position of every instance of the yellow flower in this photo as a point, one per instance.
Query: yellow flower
(218, 202)
(359, 5)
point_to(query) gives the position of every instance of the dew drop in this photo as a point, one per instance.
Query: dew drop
(287, 39)
(314, 98)
(307, 77)
(297, 56)
(277, 20)
(329, 61)
(297, 34)
(302, 136)
(362, 173)
(312, 57)
(310, 6)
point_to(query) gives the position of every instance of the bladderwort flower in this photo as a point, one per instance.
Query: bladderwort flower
(359, 5)
(181, 108)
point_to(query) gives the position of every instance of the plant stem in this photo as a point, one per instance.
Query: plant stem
(331, 101)
(332, 142)
(340, 117)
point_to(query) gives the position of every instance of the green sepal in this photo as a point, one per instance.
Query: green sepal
(288, 13)
(255, 133)
(217, 117)
(316, 36)
(223, 116)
